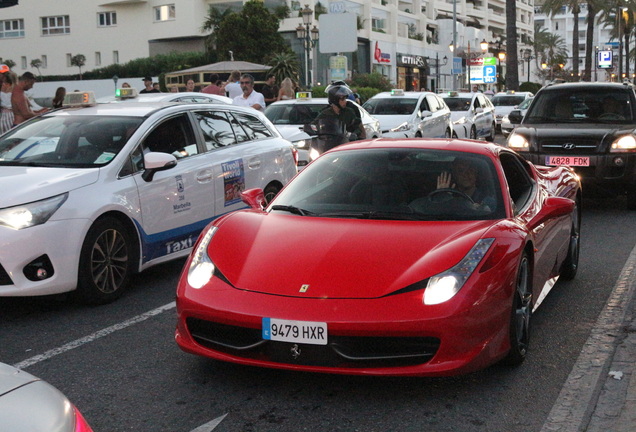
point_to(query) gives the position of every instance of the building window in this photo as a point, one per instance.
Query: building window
(106, 19)
(378, 24)
(98, 58)
(68, 60)
(56, 25)
(164, 13)
(45, 62)
(116, 57)
(12, 28)
(23, 62)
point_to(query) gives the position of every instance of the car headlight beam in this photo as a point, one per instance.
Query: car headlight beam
(201, 267)
(31, 214)
(518, 142)
(442, 287)
(624, 143)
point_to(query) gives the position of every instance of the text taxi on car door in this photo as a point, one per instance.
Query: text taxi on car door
(411, 114)
(93, 193)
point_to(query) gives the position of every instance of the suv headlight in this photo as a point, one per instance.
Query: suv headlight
(624, 143)
(518, 142)
(31, 214)
(401, 128)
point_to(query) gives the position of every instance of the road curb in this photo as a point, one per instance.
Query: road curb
(575, 405)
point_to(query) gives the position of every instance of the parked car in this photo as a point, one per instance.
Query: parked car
(131, 95)
(473, 115)
(505, 102)
(94, 194)
(29, 404)
(289, 117)
(587, 126)
(396, 275)
(506, 126)
(411, 114)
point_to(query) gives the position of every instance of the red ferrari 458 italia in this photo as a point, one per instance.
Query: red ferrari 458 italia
(385, 257)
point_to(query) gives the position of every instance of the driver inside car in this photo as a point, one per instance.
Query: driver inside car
(465, 178)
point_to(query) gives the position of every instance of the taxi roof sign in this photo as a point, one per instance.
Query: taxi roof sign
(79, 99)
(397, 92)
(126, 93)
(303, 95)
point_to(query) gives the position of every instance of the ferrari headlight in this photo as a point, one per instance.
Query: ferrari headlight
(31, 214)
(401, 128)
(624, 143)
(444, 286)
(518, 142)
(201, 267)
(301, 144)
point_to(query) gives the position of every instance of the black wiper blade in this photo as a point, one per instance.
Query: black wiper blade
(294, 210)
(375, 214)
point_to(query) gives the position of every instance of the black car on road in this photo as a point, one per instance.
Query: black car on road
(588, 126)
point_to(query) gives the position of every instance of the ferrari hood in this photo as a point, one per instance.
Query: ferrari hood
(27, 184)
(336, 258)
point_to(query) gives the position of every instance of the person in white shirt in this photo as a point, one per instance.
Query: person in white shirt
(250, 97)
(233, 88)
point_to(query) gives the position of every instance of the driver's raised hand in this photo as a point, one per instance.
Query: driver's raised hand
(444, 181)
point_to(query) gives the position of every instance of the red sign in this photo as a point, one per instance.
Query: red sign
(379, 56)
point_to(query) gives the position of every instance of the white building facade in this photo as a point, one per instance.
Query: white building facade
(406, 40)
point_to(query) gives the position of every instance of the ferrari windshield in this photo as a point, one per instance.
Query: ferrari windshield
(395, 184)
(391, 106)
(67, 141)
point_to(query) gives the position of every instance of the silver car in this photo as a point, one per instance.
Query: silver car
(506, 126)
(29, 404)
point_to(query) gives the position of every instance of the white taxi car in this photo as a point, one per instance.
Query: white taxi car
(94, 194)
(506, 102)
(289, 117)
(124, 95)
(473, 115)
(411, 114)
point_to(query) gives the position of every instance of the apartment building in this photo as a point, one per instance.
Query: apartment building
(406, 40)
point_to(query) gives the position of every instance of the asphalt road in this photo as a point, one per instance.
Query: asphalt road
(121, 367)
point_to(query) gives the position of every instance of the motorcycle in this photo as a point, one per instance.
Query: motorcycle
(327, 133)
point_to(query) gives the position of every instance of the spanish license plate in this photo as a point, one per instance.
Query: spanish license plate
(306, 332)
(568, 160)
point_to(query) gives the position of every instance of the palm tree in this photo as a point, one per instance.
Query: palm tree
(619, 17)
(512, 73)
(211, 24)
(593, 8)
(553, 7)
(552, 49)
(284, 65)
(37, 63)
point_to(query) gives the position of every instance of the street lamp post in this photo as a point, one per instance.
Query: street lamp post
(308, 36)
(527, 55)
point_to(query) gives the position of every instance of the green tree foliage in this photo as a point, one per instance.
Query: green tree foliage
(211, 24)
(249, 34)
(152, 66)
(37, 64)
(373, 80)
(284, 65)
(78, 60)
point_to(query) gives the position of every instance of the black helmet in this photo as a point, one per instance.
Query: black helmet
(337, 92)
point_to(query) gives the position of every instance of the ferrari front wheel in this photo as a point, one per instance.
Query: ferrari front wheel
(521, 314)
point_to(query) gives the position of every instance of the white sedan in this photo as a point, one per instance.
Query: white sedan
(473, 115)
(289, 117)
(411, 114)
(94, 194)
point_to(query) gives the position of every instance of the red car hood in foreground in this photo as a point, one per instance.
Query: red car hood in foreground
(336, 258)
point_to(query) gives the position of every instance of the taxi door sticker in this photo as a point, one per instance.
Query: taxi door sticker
(233, 181)
(182, 205)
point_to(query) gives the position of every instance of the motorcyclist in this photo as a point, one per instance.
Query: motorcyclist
(337, 97)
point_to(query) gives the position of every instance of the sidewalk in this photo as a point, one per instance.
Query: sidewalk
(600, 392)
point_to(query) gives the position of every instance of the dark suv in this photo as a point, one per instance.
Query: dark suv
(588, 126)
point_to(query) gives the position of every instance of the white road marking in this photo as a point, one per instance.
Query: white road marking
(210, 425)
(90, 338)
